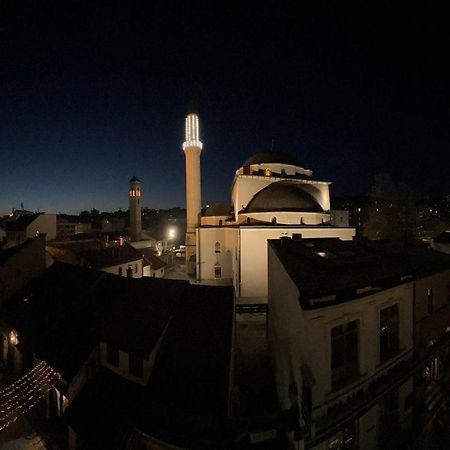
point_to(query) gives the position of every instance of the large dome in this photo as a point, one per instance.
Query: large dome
(271, 157)
(283, 196)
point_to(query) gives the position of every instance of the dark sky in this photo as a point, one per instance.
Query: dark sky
(92, 94)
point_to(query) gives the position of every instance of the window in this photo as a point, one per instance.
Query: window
(220, 222)
(344, 354)
(120, 271)
(267, 173)
(217, 272)
(217, 247)
(135, 268)
(388, 421)
(389, 345)
(274, 220)
(430, 300)
(112, 355)
(135, 366)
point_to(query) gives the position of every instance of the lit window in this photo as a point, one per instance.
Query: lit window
(217, 272)
(13, 338)
(430, 300)
(217, 247)
(344, 354)
(389, 336)
(267, 172)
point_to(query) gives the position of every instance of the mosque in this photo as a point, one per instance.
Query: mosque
(272, 196)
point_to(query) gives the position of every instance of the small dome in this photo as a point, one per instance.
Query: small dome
(218, 209)
(272, 157)
(283, 196)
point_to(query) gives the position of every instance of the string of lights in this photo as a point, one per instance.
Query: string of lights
(22, 395)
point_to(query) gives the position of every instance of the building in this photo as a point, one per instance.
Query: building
(153, 265)
(272, 195)
(441, 242)
(26, 226)
(344, 320)
(143, 362)
(20, 264)
(134, 195)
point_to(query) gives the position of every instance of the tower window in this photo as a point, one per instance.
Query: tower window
(138, 201)
(217, 247)
(217, 272)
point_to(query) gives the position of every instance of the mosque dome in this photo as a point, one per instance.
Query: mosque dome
(283, 196)
(271, 157)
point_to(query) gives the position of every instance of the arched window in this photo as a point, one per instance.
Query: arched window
(274, 220)
(217, 247)
(220, 222)
(248, 219)
(267, 172)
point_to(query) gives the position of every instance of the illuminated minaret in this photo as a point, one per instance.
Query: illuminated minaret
(192, 147)
(135, 209)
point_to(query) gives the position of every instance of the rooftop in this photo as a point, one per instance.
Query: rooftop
(326, 267)
(110, 256)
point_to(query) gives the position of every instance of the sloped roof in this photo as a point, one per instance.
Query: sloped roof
(109, 256)
(63, 314)
(21, 223)
(151, 258)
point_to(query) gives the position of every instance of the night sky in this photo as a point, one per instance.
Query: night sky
(91, 95)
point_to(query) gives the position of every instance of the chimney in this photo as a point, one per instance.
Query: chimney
(129, 271)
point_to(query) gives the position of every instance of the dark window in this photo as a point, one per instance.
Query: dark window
(120, 271)
(136, 366)
(430, 300)
(139, 201)
(389, 319)
(217, 272)
(135, 268)
(274, 220)
(388, 423)
(344, 354)
(220, 222)
(112, 355)
(217, 247)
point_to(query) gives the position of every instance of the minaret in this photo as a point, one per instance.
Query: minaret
(135, 209)
(192, 147)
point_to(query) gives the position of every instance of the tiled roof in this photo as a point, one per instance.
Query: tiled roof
(110, 256)
(149, 255)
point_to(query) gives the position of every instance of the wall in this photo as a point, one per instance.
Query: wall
(43, 224)
(288, 218)
(115, 269)
(339, 218)
(19, 269)
(207, 258)
(431, 326)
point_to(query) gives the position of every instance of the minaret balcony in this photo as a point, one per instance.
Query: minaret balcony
(192, 143)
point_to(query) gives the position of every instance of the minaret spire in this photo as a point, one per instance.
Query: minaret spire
(192, 147)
